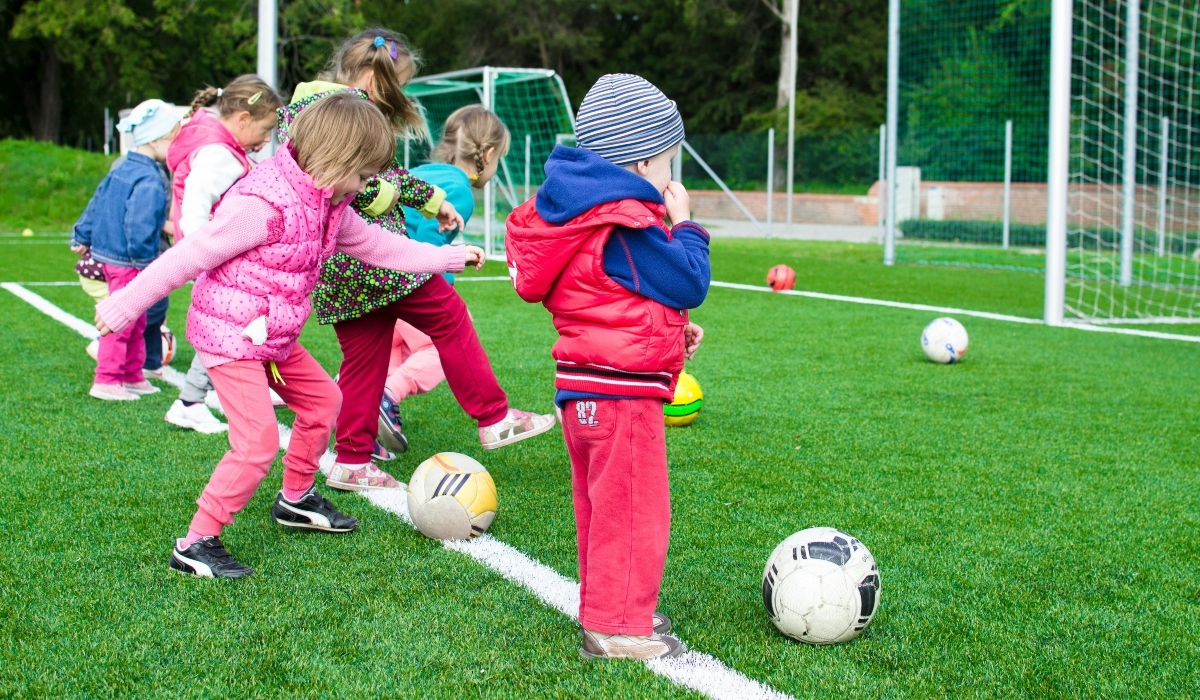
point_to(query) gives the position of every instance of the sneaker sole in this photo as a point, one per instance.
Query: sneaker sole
(143, 392)
(310, 525)
(519, 437)
(105, 397)
(189, 567)
(198, 427)
(343, 486)
(389, 439)
(670, 654)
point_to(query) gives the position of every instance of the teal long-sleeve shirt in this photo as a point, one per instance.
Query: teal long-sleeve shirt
(458, 192)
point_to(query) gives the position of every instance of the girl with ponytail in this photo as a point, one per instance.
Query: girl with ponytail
(363, 302)
(208, 157)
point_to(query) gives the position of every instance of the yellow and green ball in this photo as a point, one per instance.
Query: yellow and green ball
(688, 400)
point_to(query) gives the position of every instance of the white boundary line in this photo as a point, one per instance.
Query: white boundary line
(692, 669)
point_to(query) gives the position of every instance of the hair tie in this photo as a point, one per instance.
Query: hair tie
(473, 177)
(220, 91)
(392, 49)
(254, 98)
(378, 42)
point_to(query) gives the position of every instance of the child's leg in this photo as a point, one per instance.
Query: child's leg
(155, 316)
(196, 383)
(314, 397)
(414, 367)
(436, 310)
(253, 443)
(366, 345)
(121, 354)
(622, 510)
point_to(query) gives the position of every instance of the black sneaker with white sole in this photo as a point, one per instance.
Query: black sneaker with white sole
(208, 558)
(311, 512)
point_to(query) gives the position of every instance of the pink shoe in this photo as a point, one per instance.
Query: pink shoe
(141, 388)
(359, 477)
(111, 392)
(516, 426)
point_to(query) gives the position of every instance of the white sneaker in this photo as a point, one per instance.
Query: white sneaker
(111, 392)
(195, 417)
(516, 426)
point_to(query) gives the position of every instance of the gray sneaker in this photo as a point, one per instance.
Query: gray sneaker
(597, 645)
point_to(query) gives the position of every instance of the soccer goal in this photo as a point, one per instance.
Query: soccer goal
(532, 102)
(1123, 223)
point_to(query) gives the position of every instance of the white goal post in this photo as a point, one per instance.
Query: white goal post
(1123, 214)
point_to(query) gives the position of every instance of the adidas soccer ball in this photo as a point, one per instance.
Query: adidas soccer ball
(168, 341)
(451, 497)
(944, 340)
(688, 400)
(781, 277)
(821, 586)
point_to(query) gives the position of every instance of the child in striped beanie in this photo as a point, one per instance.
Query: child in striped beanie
(595, 249)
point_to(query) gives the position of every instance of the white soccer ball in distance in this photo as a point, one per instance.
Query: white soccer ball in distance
(452, 497)
(821, 586)
(944, 340)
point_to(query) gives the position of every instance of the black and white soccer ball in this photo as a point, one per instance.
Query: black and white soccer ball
(821, 586)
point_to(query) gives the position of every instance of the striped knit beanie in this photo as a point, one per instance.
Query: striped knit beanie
(625, 119)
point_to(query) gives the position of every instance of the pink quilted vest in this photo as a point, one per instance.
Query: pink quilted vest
(203, 129)
(274, 280)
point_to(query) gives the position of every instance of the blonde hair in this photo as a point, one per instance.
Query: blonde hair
(246, 93)
(340, 135)
(468, 134)
(394, 64)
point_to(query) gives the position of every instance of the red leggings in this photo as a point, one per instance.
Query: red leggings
(622, 499)
(436, 310)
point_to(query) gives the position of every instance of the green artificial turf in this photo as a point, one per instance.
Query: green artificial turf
(1033, 511)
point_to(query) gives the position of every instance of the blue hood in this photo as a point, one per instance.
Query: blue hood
(577, 180)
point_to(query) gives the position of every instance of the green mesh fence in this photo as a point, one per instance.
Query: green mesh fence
(966, 68)
(843, 161)
(532, 103)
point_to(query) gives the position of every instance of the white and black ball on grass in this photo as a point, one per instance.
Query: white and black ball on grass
(452, 497)
(821, 586)
(944, 340)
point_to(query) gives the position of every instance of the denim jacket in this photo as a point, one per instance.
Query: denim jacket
(123, 222)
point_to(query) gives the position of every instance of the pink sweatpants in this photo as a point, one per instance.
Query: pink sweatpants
(414, 367)
(242, 387)
(122, 355)
(622, 500)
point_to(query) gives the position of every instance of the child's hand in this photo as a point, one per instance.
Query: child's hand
(448, 218)
(679, 204)
(101, 325)
(475, 256)
(79, 249)
(692, 335)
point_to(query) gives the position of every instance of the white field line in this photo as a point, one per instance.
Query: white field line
(692, 669)
(48, 284)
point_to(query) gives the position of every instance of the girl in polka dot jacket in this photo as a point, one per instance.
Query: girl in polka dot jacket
(255, 264)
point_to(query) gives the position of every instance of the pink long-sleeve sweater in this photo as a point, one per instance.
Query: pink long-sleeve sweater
(242, 223)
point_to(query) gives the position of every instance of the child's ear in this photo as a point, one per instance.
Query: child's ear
(490, 156)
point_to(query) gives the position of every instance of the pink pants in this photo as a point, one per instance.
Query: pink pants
(122, 355)
(622, 500)
(414, 367)
(254, 435)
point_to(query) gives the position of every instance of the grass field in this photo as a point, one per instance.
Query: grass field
(1033, 510)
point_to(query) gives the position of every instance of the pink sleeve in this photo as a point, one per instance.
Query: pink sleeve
(374, 246)
(238, 226)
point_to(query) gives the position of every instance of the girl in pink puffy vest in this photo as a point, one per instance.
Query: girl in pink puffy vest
(210, 154)
(255, 265)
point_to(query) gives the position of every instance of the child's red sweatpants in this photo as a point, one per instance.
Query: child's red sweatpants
(622, 509)
(243, 388)
(436, 310)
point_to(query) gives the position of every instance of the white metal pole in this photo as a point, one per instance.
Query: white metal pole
(1163, 152)
(528, 161)
(1129, 177)
(488, 189)
(893, 111)
(1058, 162)
(267, 51)
(881, 197)
(770, 177)
(1007, 181)
(793, 21)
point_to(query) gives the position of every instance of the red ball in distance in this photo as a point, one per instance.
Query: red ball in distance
(781, 277)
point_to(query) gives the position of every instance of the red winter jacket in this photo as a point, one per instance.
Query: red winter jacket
(611, 340)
